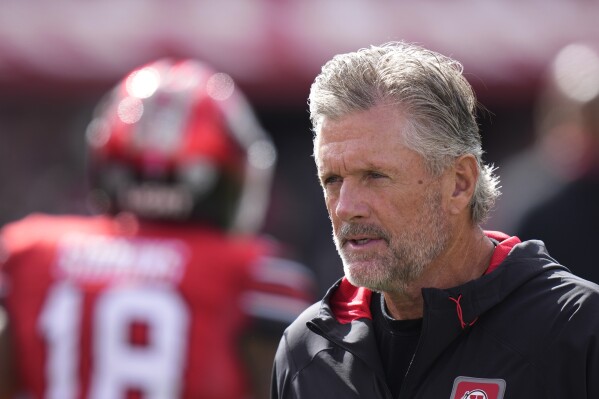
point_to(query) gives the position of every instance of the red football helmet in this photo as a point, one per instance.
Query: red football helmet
(175, 140)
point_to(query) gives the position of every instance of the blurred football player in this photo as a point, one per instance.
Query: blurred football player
(169, 292)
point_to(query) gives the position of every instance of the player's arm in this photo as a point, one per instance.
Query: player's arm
(280, 290)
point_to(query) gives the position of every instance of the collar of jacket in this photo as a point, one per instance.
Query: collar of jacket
(441, 324)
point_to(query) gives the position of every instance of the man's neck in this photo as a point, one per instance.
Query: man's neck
(466, 258)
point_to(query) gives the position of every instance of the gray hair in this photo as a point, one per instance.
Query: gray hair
(427, 86)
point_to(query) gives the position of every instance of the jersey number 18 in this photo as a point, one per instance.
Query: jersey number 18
(154, 365)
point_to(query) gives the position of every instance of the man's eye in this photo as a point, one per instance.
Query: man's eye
(375, 175)
(331, 180)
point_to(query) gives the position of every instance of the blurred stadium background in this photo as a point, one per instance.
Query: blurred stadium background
(58, 57)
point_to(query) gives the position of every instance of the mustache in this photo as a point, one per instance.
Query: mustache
(349, 231)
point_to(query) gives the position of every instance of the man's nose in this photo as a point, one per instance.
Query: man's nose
(352, 202)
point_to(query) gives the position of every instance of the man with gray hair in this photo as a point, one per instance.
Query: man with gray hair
(431, 305)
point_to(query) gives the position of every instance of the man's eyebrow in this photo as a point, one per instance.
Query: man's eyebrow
(374, 165)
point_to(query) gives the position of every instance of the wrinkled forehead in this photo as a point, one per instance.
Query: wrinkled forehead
(382, 124)
(369, 139)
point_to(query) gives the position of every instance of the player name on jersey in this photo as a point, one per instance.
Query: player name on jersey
(99, 259)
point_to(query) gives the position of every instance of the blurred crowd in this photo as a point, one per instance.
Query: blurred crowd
(551, 189)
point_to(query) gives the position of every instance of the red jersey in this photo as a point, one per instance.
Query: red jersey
(105, 308)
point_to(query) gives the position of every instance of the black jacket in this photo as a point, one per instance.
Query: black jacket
(534, 334)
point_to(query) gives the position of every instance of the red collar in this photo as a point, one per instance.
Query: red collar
(506, 243)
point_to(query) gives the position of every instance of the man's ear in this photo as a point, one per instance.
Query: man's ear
(464, 175)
